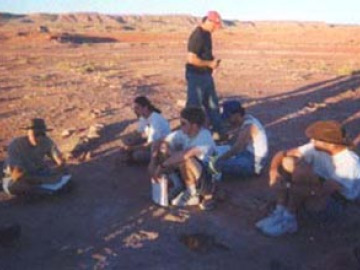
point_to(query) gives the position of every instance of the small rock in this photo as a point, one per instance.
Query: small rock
(67, 133)
(181, 103)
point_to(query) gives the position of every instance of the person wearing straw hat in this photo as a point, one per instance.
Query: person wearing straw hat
(25, 168)
(323, 173)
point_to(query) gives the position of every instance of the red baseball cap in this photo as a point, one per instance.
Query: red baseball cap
(214, 17)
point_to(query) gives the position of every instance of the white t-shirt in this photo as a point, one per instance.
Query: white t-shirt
(259, 144)
(141, 124)
(179, 141)
(155, 127)
(344, 168)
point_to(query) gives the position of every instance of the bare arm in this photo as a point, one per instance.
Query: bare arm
(193, 59)
(181, 156)
(243, 138)
(175, 159)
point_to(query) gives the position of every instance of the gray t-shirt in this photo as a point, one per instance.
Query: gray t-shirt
(28, 157)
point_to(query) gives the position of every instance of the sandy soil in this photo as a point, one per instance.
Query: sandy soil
(288, 75)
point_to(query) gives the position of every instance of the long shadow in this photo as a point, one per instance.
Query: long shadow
(81, 39)
(288, 114)
(110, 222)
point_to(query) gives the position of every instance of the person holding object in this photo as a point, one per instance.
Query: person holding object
(200, 65)
(185, 152)
(25, 169)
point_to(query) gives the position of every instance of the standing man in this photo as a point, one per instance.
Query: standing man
(199, 68)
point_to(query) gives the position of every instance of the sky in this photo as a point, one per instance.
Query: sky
(330, 11)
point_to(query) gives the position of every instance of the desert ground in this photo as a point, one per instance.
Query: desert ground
(81, 70)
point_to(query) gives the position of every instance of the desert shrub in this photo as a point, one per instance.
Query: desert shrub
(345, 70)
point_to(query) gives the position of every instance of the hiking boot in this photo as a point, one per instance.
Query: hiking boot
(286, 224)
(274, 217)
(186, 199)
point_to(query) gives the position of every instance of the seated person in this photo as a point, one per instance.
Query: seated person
(317, 173)
(248, 150)
(186, 150)
(25, 169)
(153, 127)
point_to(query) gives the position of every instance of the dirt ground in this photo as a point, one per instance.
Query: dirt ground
(286, 74)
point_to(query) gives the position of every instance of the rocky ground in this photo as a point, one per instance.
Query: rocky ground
(287, 74)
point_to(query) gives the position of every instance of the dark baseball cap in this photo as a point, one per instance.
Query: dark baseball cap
(231, 107)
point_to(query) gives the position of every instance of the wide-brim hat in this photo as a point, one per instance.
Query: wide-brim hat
(38, 124)
(327, 131)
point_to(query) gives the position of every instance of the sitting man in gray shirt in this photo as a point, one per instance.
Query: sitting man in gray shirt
(25, 168)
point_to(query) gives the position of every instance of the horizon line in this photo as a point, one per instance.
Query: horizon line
(186, 14)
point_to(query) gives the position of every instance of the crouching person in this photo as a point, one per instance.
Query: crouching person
(25, 169)
(321, 173)
(247, 151)
(185, 152)
(152, 127)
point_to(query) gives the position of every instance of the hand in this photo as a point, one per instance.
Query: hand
(214, 64)
(16, 173)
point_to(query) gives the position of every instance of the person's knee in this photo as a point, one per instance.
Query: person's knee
(190, 170)
(289, 164)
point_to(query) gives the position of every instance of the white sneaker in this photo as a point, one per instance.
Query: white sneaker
(287, 224)
(186, 199)
(273, 218)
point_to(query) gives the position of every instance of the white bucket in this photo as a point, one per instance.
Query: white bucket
(160, 191)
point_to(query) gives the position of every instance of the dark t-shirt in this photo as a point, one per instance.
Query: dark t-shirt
(200, 43)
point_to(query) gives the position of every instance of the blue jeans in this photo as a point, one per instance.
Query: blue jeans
(201, 92)
(240, 165)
